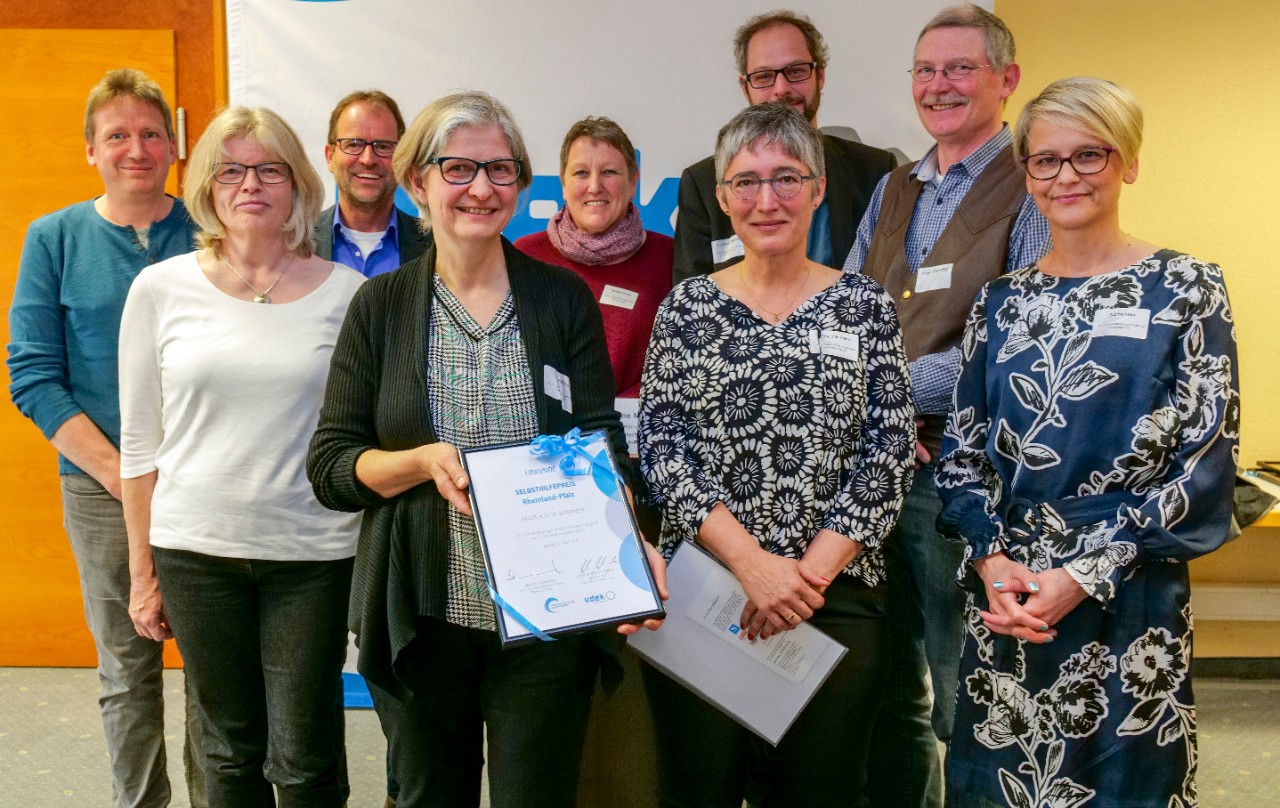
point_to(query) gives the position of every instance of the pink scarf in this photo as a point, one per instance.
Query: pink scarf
(618, 243)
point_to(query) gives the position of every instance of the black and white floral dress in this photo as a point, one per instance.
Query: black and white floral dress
(1095, 429)
(795, 427)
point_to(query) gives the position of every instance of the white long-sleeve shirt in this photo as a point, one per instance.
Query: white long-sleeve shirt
(220, 396)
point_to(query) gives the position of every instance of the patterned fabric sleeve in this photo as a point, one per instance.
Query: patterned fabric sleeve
(1192, 444)
(867, 507)
(679, 484)
(967, 482)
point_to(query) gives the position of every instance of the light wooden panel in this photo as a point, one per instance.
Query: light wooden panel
(45, 76)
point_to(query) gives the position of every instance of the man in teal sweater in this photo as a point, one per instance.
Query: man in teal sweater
(76, 268)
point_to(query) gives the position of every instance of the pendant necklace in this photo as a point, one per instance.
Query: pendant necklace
(776, 316)
(265, 295)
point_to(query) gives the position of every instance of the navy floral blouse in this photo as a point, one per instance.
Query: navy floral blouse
(795, 427)
(1107, 408)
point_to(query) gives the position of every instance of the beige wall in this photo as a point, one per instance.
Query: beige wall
(1210, 165)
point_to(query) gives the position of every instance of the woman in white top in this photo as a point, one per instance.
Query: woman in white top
(224, 354)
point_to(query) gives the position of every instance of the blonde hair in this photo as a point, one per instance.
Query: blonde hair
(125, 82)
(270, 131)
(1091, 105)
(429, 131)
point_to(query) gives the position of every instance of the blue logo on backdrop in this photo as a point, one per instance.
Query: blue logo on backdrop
(545, 188)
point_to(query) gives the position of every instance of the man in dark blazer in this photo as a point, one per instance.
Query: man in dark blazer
(366, 230)
(781, 57)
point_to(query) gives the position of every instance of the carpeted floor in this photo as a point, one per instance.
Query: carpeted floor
(52, 752)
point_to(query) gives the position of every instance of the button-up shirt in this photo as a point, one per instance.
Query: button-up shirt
(933, 376)
(383, 258)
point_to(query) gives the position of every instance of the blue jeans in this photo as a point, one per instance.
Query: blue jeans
(130, 668)
(533, 700)
(926, 613)
(705, 758)
(264, 643)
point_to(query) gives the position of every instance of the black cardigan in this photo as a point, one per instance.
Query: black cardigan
(376, 397)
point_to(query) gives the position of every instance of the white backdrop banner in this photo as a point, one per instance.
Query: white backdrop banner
(663, 69)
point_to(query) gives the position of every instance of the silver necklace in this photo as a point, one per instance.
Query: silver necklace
(265, 295)
(776, 316)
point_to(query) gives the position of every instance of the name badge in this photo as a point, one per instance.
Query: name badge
(1130, 323)
(617, 296)
(726, 248)
(556, 385)
(935, 277)
(835, 343)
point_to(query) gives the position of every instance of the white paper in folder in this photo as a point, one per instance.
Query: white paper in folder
(762, 685)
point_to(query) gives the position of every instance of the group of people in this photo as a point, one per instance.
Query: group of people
(950, 413)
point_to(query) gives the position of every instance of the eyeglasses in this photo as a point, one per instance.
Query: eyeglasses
(355, 146)
(786, 184)
(793, 73)
(1084, 160)
(462, 170)
(923, 73)
(268, 173)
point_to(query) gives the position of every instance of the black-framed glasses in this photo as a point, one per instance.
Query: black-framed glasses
(1084, 160)
(793, 73)
(462, 170)
(355, 146)
(957, 72)
(786, 184)
(268, 173)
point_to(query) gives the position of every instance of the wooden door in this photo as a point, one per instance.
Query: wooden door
(45, 77)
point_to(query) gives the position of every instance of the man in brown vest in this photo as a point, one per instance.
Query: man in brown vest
(935, 232)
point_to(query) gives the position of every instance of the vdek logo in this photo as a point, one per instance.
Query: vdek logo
(600, 597)
(555, 604)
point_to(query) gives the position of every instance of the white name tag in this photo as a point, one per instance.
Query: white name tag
(556, 385)
(726, 248)
(935, 277)
(617, 296)
(1131, 323)
(837, 343)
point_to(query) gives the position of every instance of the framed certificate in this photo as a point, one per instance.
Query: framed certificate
(561, 548)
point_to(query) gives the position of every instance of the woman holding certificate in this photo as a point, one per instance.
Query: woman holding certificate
(776, 430)
(473, 344)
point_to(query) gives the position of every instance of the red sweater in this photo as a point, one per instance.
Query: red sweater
(647, 274)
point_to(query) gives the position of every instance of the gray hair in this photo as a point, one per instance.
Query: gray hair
(1096, 106)
(763, 124)
(1000, 48)
(427, 134)
(278, 139)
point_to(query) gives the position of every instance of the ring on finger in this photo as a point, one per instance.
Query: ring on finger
(792, 616)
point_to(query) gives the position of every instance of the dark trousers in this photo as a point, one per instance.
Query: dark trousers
(533, 700)
(263, 643)
(705, 757)
(926, 618)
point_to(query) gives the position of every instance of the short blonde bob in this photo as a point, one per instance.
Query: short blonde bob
(1095, 106)
(429, 131)
(270, 131)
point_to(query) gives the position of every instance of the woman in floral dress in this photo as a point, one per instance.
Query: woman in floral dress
(776, 430)
(1089, 456)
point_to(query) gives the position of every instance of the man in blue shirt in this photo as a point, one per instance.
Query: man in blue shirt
(76, 268)
(936, 231)
(366, 230)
